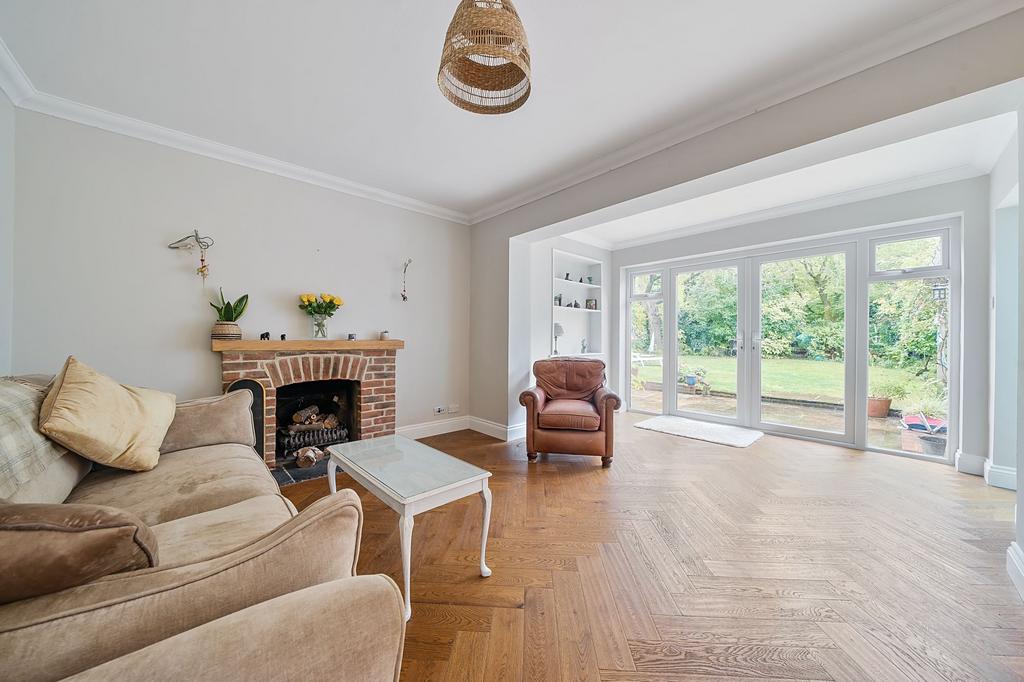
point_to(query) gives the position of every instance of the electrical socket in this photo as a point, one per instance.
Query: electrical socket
(439, 410)
(453, 409)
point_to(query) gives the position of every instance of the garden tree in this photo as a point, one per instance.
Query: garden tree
(706, 323)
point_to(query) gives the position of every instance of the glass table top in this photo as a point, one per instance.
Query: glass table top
(404, 466)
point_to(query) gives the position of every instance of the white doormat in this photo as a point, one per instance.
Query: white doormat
(725, 434)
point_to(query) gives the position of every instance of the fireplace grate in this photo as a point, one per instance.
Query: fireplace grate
(290, 443)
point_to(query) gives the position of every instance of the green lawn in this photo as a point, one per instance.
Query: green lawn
(787, 377)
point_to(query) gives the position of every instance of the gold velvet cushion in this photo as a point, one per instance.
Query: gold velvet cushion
(46, 548)
(102, 420)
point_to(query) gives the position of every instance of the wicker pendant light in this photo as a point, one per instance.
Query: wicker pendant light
(485, 64)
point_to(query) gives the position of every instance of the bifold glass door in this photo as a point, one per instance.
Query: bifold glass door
(852, 340)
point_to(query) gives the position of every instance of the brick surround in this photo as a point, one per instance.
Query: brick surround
(373, 368)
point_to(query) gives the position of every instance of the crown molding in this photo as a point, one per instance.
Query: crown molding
(24, 95)
(955, 18)
(885, 189)
(949, 21)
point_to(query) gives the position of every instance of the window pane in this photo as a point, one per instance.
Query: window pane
(646, 343)
(908, 365)
(647, 285)
(803, 337)
(706, 328)
(911, 253)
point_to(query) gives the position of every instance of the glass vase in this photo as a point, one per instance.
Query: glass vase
(320, 326)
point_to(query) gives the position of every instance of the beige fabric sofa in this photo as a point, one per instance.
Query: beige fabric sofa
(245, 588)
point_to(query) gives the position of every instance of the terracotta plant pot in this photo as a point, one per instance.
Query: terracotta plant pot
(226, 330)
(879, 407)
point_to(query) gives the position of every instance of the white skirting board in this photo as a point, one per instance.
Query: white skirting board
(484, 426)
(1000, 476)
(969, 464)
(1015, 566)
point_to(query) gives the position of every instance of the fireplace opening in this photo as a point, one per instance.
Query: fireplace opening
(314, 414)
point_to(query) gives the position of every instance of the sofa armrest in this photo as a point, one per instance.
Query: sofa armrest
(350, 630)
(63, 633)
(211, 421)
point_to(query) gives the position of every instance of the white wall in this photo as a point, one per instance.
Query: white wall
(6, 231)
(969, 196)
(969, 62)
(1000, 469)
(96, 210)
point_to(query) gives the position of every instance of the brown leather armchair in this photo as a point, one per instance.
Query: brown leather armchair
(570, 410)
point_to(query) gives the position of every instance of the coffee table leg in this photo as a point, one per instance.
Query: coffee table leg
(485, 493)
(405, 529)
(332, 470)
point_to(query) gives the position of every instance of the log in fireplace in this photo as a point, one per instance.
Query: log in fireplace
(314, 413)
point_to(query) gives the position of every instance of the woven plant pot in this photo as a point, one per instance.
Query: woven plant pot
(485, 62)
(226, 330)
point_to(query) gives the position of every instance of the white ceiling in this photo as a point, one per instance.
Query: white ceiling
(958, 153)
(348, 89)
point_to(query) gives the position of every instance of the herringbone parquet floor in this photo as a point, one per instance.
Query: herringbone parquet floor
(687, 560)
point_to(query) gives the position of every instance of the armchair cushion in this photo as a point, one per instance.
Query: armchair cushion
(575, 415)
(569, 378)
(185, 482)
(46, 548)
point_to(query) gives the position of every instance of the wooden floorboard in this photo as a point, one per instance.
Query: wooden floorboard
(689, 560)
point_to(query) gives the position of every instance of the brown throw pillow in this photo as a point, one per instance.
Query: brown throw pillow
(46, 548)
(102, 420)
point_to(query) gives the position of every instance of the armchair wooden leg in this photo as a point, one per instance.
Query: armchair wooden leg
(531, 456)
(606, 462)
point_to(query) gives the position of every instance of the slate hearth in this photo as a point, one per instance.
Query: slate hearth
(366, 368)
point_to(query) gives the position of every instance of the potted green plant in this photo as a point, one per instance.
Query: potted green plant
(881, 395)
(228, 314)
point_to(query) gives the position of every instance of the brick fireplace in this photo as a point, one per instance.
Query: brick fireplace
(368, 365)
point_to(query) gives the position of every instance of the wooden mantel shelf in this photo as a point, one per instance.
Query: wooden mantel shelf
(222, 345)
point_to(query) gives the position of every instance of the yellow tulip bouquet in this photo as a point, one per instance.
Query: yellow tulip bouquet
(320, 309)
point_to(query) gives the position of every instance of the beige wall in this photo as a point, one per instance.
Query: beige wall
(94, 276)
(968, 62)
(6, 231)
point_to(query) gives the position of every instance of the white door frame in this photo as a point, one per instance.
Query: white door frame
(851, 357)
(742, 357)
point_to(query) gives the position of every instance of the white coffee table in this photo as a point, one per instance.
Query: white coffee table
(411, 478)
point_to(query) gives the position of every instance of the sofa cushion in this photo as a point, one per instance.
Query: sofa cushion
(577, 415)
(569, 378)
(185, 482)
(25, 452)
(102, 420)
(209, 534)
(210, 421)
(46, 548)
(55, 483)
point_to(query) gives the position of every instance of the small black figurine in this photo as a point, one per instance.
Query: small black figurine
(284, 337)
(575, 304)
(265, 336)
(567, 275)
(581, 280)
